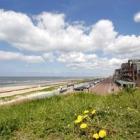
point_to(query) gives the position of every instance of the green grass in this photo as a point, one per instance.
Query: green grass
(52, 119)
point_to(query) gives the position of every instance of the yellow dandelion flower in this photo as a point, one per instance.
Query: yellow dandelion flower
(102, 133)
(86, 112)
(77, 121)
(79, 117)
(93, 112)
(83, 126)
(85, 116)
(95, 136)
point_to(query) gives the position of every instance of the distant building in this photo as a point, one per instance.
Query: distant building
(117, 74)
(129, 72)
(135, 70)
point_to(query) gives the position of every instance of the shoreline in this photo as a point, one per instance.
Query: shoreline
(33, 93)
(17, 90)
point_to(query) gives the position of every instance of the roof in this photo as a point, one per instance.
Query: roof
(125, 82)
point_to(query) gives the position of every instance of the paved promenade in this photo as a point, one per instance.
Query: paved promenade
(105, 87)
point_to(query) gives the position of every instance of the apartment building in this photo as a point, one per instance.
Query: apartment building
(129, 72)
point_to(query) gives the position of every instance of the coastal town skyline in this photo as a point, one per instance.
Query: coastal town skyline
(67, 38)
(69, 69)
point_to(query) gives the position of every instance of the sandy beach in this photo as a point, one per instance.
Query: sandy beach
(18, 90)
(11, 95)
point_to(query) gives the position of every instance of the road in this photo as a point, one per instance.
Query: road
(105, 87)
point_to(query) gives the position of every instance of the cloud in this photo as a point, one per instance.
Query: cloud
(102, 34)
(18, 56)
(49, 57)
(90, 61)
(72, 43)
(50, 31)
(50, 21)
(137, 17)
(125, 46)
(76, 57)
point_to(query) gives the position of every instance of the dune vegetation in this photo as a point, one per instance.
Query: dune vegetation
(54, 118)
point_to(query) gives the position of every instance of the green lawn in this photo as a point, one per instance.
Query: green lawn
(53, 118)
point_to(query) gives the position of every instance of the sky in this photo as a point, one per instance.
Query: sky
(67, 37)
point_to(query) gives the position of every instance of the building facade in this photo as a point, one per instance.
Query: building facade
(129, 71)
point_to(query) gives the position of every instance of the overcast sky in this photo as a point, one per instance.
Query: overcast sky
(67, 37)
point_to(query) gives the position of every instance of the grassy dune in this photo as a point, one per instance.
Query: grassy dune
(53, 118)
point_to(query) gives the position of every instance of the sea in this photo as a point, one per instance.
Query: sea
(18, 81)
